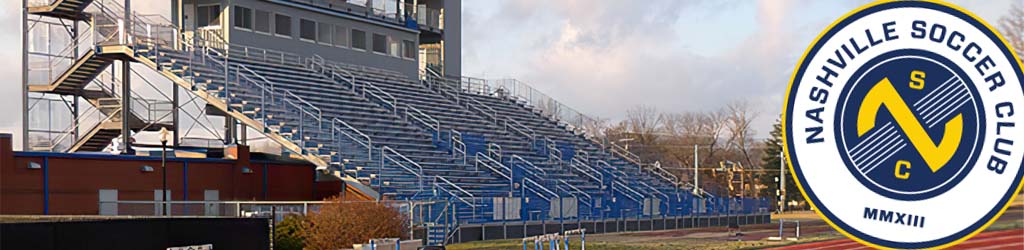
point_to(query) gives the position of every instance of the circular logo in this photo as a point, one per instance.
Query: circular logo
(901, 124)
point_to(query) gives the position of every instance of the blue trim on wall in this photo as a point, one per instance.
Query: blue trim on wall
(46, 185)
(184, 178)
(146, 158)
(265, 174)
(114, 157)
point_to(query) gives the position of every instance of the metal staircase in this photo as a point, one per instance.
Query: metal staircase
(66, 9)
(189, 62)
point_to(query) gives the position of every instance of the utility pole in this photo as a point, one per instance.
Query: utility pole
(696, 174)
(782, 182)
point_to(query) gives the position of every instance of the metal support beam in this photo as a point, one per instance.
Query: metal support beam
(229, 130)
(126, 86)
(24, 75)
(175, 108)
(74, 109)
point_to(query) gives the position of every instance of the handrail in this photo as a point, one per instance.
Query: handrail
(385, 149)
(76, 125)
(418, 171)
(553, 151)
(544, 104)
(528, 164)
(424, 118)
(453, 194)
(488, 161)
(467, 193)
(585, 169)
(494, 149)
(635, 194)
(283, 57)
(522, 129)
(315, 110)
(490, 112)
(368, 142)
(534, 184)
(573, 187)
(333, 71)
(665, 174)
(606, 168)
(455, 140)
(393, 103)
(656, 191)
(584, 154)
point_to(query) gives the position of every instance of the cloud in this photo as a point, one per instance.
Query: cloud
(605, 57)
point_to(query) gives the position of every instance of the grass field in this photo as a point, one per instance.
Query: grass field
(812, 229)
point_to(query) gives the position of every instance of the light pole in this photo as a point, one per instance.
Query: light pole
(163, 168)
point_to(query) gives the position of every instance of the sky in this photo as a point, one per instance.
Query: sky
(603, 57)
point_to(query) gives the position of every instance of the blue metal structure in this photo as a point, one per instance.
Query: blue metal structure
(488, 152)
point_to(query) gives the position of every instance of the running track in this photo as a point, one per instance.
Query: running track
(1006, 239)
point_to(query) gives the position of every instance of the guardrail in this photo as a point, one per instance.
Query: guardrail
(494, 150)
(384, 157)
(586, 170)
(553, 152)
(443, 181)
(423, 118)
(528, 164)
(266, 55)
(458, 147)
(628, 192)
(355, 135)
(576, 190)
(496, 167)
(654, 190)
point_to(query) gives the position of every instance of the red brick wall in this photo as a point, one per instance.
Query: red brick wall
(74, 180)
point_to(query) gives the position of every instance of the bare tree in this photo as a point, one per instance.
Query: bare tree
(1012, 27)
(713, 126)
(741, 134)
(643, 124)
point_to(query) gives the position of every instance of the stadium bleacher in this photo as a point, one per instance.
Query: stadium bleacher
(475, 145)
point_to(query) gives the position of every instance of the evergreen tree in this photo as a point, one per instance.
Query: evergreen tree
(770, 163)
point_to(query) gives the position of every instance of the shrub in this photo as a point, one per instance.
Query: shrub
(340, 224)
(288, 233)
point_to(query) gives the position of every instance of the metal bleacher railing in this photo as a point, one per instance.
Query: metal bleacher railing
(387, 129)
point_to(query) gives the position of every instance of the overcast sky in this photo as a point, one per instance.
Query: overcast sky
(602, 57)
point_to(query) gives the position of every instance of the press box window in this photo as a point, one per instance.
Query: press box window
(394, 47)
(208, 15)
(408, 49)
(307, 30)
(359, 39)
(282, 25)
(340, 36)
(380, 44)
(323, 33)
(243, 17)
(262, 21)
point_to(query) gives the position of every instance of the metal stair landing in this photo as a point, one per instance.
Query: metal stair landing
(98, 137)
(66, 9)
(75, 78)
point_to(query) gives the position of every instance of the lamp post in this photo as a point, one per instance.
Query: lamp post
(163, 168)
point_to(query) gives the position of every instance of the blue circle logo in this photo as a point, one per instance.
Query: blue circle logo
(908, 124)
(904, 125)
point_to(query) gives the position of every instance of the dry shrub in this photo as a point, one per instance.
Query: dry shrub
(340, 224)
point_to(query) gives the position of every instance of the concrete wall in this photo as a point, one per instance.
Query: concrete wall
(453, 37)
(69, 184)
(345, 54)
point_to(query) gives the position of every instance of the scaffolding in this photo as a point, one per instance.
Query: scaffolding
(80, 90)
